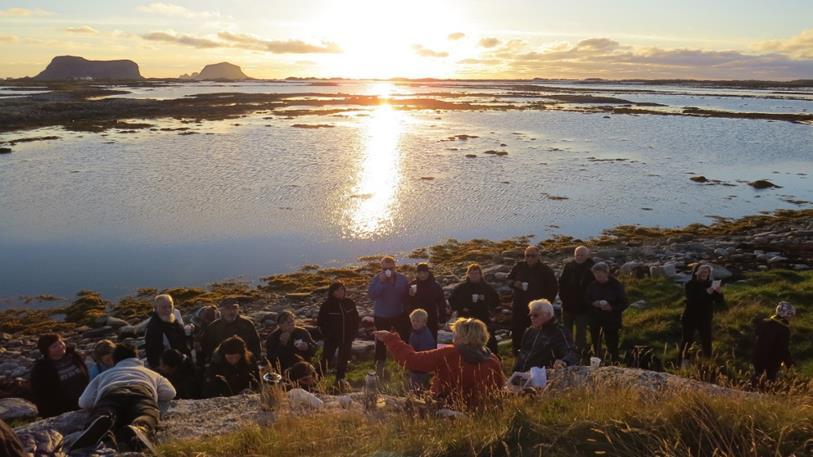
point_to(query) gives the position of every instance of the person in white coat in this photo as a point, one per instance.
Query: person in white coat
(123, 401)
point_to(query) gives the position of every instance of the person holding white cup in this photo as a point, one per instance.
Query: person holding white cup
(425, 293)
(389, 292)
(475, 298)
(530, 280)
(703, 294)
(607, 300)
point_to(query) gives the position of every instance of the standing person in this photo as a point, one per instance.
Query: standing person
(58, 378)
(289, 344)
(421, 340)
(545, 343)
(124, 400)
(339, 323)
(102, 356)
(233, 370)
(164, 331)
(702, 295)
(426, 293)
(389, 291)
(475, 298)
(576, 276)
(231, 323)
(772, 348)
(530, 280)
(607, 300)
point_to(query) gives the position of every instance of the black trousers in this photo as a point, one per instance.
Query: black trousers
(610, 334)
(399, 323)
(130, 405)
(519, 323)
(330, 348)
(701, 325)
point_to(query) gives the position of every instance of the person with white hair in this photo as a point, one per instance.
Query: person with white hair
(545, 343)
(164, 331)
(703, 294)
(772, 348)
(607, 300)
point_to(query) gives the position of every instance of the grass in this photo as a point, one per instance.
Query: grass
(584, 421)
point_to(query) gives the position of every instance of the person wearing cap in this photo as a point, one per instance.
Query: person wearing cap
(772, 348)
(389, 292)
(164, 331)
(573, 282)
(530, 279)
(475, 298)
(703, 294)
(607, 300)
(425, 293)
(229, 324)
(58, 378)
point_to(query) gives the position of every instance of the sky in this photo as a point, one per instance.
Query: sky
(724, 39)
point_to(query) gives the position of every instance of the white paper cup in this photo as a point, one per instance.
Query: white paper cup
(595, 362)
(413, 288)
(188, 329)
(525, 286)
(388, 273)
(475, 297)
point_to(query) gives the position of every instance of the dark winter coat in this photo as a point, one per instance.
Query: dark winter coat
(429, 296)
(286, 355)
(154, 345)
(772, 347)
(541, 347)
(49, 393)
(611, 291)
(461, 300)
(220, 329)
(240, 377)
(338, 320)
(541, 283)
(573, 284)
(699, 303)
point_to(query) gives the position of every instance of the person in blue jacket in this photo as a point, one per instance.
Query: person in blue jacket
(389, 292)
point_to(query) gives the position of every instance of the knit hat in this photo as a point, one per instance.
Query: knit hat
(46, 341)
(785, 310)
(423, 266)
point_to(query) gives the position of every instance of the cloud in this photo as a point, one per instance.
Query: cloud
(242, 41)
(184, 40)
(172, 10)
(472, 61)
(799, 46)
(456, 36)
(426, 52)
(85, 29)
(278, 47)
(8, 39)
(23, 12)
(489, 42)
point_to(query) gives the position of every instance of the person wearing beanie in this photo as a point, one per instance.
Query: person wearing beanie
(58, 378)
(772, 348)
(425, 293)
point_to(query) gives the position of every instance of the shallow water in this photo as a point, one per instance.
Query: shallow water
(254, 196)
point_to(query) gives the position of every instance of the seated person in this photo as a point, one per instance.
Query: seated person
(180, 370)
(232, 371)
(302, 375)
(545, 343)
(58, 378)
(289, 344)
(124, 400)
(102, 356)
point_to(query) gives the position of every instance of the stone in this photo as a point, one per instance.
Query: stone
(17, 408)
(777, 259)
(115, 322)
(629, 268)
(362, 349)
(501, 276)
(763, 184)
(5, 150)
(720, 272)
(640, 304)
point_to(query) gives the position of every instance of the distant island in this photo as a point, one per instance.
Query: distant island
(64, 68)
(218, 71)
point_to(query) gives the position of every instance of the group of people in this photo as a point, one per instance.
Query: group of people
(219, 353)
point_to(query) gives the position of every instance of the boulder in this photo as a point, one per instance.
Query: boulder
(362, 349)
(629, 268)
(17, 408)
(640, 304)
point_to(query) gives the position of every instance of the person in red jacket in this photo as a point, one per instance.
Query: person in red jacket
(466, 374)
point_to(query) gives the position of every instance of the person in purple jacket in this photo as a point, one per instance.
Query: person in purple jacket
(389, 292)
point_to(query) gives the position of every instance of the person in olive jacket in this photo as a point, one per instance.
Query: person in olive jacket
(164, 332)
(607, 300)
(425, 293)
(576, 276)
(338, 322)
(474, 298)
(702, 295)
(530, 279)
(58, 378)
(772, 348)
(545, 343)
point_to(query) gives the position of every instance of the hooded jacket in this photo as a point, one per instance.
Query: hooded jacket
(572, 285)
(338, 320)
(541, 347)
(461, 300)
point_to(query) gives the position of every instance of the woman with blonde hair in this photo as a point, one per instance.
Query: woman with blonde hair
(466, 374)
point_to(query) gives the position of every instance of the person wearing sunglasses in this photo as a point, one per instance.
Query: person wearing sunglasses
(530, 280)
(545, 343)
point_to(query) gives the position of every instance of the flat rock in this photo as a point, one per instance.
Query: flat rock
(17, 408)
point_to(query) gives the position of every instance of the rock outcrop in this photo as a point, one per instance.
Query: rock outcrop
(220, 71)
(78, 68)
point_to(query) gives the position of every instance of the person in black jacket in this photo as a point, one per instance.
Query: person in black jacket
(339, 323)
(702, 295)
(58, 378)
(179, 369)
(229, 324)
(232, 371)
(426, 293)
(607, 300)
(545, 343)
(164, 332)
(476, 299)
(576, 276)
(530, 280)
(772, 347)
(289, 344)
